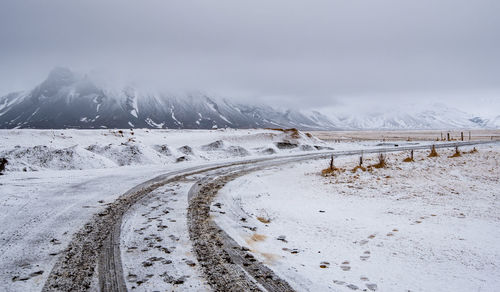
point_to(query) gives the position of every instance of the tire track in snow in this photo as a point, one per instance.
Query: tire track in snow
(93, 255)
(227, 265)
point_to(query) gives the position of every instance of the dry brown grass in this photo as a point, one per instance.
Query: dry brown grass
(270, 257)
(474, 150)
(258, 237)
(381, 162)
(294, 133)
(355, 169)
(433, 152)
(456, 154)
(409, 158)
(332, 171)
(264, 220)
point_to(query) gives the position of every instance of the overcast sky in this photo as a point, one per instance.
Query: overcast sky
(297, 53)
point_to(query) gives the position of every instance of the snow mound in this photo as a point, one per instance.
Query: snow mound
(267, 151)
(40, 157)
(306, 147)
(237, 151)
(163, 149)
(123, 154)
(29, 150)
(186, 150)
(219, 149)
(217, 145)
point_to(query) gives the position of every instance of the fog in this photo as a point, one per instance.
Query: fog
(301, 54)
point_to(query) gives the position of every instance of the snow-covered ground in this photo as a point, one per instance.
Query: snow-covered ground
(32, 150)
(56, 180)
(428, 225)
(40, 211)
(37, 150)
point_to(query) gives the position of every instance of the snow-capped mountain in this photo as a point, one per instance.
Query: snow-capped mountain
(434, 116)
(493, 122)
(65, 100)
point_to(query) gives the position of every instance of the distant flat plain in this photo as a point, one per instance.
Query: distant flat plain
(399, 135)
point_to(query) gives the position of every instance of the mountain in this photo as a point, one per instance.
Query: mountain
(65, 100)
(434, 116)
(494, 122)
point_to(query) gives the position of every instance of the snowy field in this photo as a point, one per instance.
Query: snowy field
(32, 150)
(38, 150)
(40, 211)
(56, 180)
(428, 225)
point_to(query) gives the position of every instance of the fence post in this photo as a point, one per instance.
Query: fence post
(448, 136)
(462, 135)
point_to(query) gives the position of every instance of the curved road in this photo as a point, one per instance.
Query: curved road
(226, 265)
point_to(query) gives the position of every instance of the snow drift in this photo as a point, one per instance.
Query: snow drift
(32, 150)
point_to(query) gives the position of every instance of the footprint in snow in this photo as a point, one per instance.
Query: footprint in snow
(350, 286)
(131, 248)
(173, 237)
(365, 241)
(132, 278)
(393, 232)
(371, 286)
(365, 256)
(345, 266)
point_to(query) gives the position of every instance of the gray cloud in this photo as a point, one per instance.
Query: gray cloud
(298, 53)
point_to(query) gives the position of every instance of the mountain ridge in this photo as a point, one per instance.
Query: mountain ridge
(65, 100)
